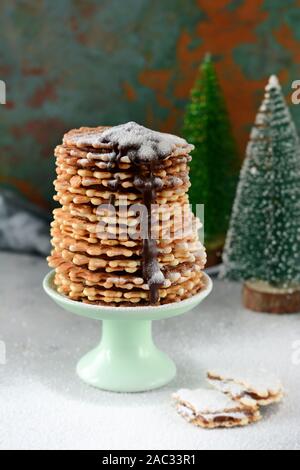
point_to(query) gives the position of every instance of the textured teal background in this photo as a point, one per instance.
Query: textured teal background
(69, 63)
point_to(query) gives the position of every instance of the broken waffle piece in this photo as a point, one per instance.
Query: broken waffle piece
(257, 388)
(212, 409)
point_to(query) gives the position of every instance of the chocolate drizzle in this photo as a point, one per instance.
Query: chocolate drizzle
(152, 274)
(114, 185)
(112, 200)
(145, 150)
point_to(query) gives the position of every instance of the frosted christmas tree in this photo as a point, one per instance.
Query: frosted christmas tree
(263, 243)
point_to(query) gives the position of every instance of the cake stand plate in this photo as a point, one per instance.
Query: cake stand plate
(126, 359)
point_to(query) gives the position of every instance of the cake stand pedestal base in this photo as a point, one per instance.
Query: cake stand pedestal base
(126, 359)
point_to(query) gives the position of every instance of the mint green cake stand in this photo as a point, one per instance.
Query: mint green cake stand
(126, 359)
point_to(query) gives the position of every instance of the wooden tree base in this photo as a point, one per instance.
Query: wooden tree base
(214, 257)
(260, 297)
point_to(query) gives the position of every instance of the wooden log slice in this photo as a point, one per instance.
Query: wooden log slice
(261, 297)
(214, 257)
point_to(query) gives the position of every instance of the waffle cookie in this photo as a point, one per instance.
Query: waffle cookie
(212, 409)
(125, 234)
(258, 388)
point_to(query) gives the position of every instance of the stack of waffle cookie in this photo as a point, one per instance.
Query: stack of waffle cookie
(107, 249)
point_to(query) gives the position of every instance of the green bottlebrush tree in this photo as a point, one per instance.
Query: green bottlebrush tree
(215, 167)
(264, 238)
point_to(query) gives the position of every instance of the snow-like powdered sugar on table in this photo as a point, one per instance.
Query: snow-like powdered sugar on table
(43, 405)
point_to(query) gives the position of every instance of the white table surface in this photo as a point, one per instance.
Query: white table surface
(43, 405)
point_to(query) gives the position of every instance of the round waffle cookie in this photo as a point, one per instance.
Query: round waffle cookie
(125, 234)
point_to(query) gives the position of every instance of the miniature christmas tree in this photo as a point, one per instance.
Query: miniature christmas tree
(263, 243)
(214, 169)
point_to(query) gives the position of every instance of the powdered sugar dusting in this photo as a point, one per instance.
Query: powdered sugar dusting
(157, 278)
(259, 381)
(273, 83)
(206, 401)
(189, 414)
(142, 145)
(40, 371)
(186, 412)
(234, 389)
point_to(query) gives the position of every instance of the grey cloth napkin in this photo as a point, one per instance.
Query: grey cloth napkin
(23, 227)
